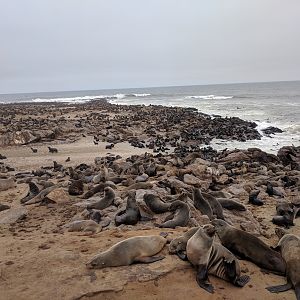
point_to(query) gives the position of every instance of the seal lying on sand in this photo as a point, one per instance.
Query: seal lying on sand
(253, 198)
(250, 247)
(180, 215)
(155, 204)
(6, 184)
(138, 249)
(106, 201)
(131, 215)
(231, 204)
(212, 258)
(289, 246)
(84, 226)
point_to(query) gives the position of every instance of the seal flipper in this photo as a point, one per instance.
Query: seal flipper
(230, 269)
(242, 281)
(182, 254)
(202, 279)
(148, 259)
(279, 288)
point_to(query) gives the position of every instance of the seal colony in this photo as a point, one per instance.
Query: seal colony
(212, 208)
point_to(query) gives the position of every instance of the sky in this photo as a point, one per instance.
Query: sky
(58, 45)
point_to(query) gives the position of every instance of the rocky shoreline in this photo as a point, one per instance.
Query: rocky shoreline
(145, 150)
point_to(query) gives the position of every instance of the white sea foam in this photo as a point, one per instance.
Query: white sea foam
(209, 97)
(138, 95)
(82, 99)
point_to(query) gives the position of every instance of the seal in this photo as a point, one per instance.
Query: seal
(6, 184)
(215, 205)
(289, 247)
(84, 226)
(106, 201)
(155, 204)
(180, 215)
(33, 191)
(201, 204)
(231, 204)
(272, 192)
(76, 187)
(212, 258)
(138, 249)
(249, 247)
(253, 198)
(286, 214)
(178, 245)
(131, 215)
(96, 189)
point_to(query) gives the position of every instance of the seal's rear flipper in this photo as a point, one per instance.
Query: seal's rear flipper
(279, 288)
(202, 279)
(147, 259)
(242, 281)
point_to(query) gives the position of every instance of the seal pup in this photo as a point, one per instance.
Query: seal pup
(155, 204)
(253, 198)
(178, 245)
(131, 215)
(76, 187)
(201, 204)
(106, 201)
(286, 214)
(231, 204)
(138, 249)
(212, 258)
(52, 150)
(180, 215)
(249, 246)
(33, 191)
(84, 226)
(6, 184)
(289, 247)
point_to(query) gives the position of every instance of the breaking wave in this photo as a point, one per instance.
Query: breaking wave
(209, 97)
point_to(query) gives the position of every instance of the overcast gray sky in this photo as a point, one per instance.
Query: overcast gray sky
(52, 45)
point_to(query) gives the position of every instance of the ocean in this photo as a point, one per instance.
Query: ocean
(268, 104)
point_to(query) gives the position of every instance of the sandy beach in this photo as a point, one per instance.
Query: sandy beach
(40, 259)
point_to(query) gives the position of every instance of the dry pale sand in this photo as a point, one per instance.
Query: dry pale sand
(37, 263)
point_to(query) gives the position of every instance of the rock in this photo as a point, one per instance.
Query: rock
(192, 180)
(13, 215)
(271, 130)
(290, 155)
(237, 190)
(222, 179)
(234, 157)
(250, 228)
(58, 196)
(142, 178)
(6, 184)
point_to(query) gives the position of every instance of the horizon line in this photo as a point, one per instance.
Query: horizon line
(150, 87)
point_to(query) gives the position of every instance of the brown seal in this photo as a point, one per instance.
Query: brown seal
(289, 247)
(212, 258)
(215, 205)
(249, 247)
(231, 204)
(180, 215)
(133, 250)
(106, 201)
(84, 226)
(178, 245)
(201, 204)
(131, 215)
(155, 204)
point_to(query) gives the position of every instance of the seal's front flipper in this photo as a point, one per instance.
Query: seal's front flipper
(182, 255)
(230, 268)
(279, 288)
(148, 259)
(242, 281)
(202, 279)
